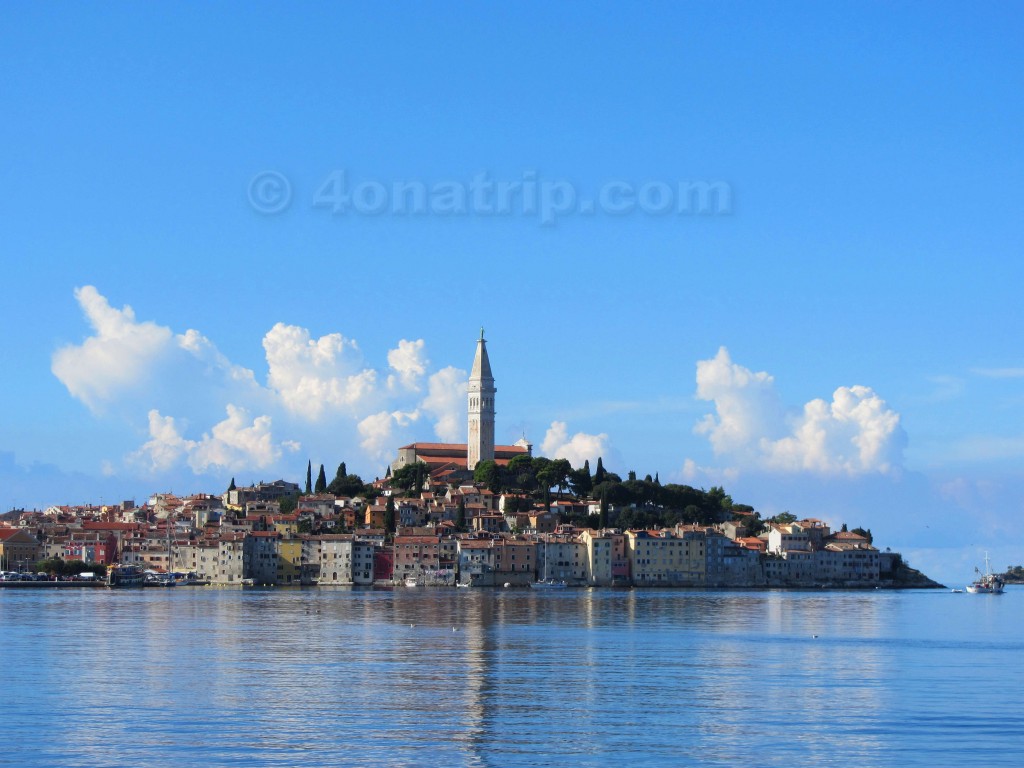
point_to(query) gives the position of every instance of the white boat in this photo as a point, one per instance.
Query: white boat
(987, 583)
(548, 584)
(411, 582)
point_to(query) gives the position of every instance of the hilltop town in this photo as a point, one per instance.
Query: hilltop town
(473, 514)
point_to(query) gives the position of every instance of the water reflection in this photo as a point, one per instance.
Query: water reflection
(349, 676)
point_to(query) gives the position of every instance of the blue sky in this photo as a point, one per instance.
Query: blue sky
(867, 261)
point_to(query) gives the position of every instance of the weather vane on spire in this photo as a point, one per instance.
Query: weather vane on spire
(481, 333)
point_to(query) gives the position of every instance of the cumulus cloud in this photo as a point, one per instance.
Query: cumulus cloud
(409, 362)
(204, 350)
(854, 433)
(233, 444)
(577, 449)
(314, 376)
(446, 403)
(113, 360)
(318, 393)
(378, 431)
(165, 447)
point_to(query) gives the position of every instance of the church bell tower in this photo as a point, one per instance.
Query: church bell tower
(480, 446)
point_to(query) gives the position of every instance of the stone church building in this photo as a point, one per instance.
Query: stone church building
(443, 458)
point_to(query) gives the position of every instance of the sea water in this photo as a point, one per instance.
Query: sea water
(200, 676)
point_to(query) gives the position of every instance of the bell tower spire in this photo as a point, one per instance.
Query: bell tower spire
(480, 445)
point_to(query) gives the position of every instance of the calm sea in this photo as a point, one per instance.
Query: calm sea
(339, 677)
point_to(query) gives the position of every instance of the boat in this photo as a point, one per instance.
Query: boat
(411, 582)
(987, 583)
(160, 580)
(125, 576)
(548, 584)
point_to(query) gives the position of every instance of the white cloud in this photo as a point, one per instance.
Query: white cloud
(312, 377)
(235, 444)
(378, 431)
(446, 403)
(318, 393)
(409, 362)
(577, 449)
(232, 444)
(694, 474)
(115, 359)
(204, 350)
(855, 433)
(165, 448)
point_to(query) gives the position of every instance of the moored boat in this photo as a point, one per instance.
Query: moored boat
(548, 584)
(125, 576)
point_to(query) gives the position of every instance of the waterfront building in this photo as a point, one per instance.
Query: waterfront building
(289, 560)
(19, 550)
(660, 559)
(476, 561)
(260, 553)
(606, 562)
(515, 561)
(562, 557)
(729, 563)
(417, 558)
(333, 554)
(363, 551)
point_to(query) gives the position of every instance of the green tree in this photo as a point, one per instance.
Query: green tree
(580, 481)
(309, 477)
(411, 477)
(460, 514)
(349, 485)
(232, 486)
(599, 472)
(289, 503)
(603, 514)
(321, 481)
(865, 532)
(522, 473)
(389, 515)
(560, 470)
(488, 473)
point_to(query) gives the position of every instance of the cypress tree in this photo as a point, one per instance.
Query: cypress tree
(599, 472)
(389, 515)
(309, 477)
(232, 486)
(321, 481)
(460, 514)
(603, 516)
